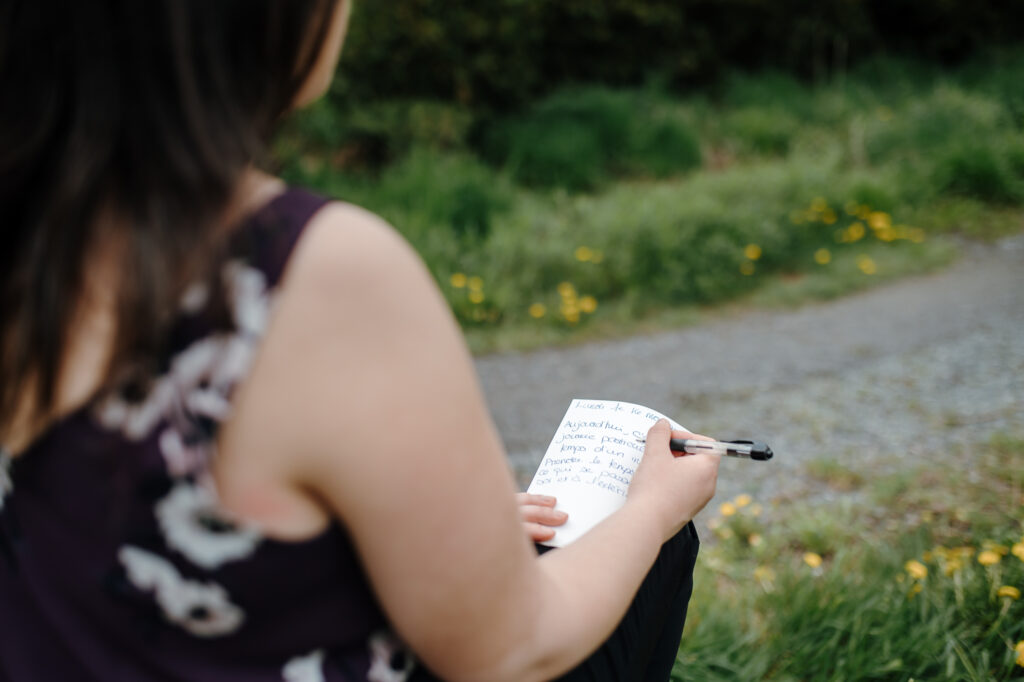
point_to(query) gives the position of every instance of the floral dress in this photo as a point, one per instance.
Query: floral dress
(115, 561)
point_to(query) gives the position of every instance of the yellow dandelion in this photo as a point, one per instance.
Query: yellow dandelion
(879, 220)
(1008, 591)
(742, 500)
(727, 509)
(812, 559)
(867, 265)
(864, 212)
(822, 256)
(1019, 650)
(755, 540)
(752, 251)
(818, 204)
(928, 556)
(988, 558)
(476, 296)
(829, 216)
(588, 304)
(851, 207)
(886, 234)
(566, 290)
(458, 280)
(952, 566)
(725, 533)
(584, 254)
(855, 232)
(1001, 550)
(1018, 550)
(916, 569)
(475, 283)
(538, 310)
(747, 268)
(764, 574)
(915, 589)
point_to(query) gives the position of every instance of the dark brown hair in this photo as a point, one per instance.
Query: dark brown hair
(147, 111)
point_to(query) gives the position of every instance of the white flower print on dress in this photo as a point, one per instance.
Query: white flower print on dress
(193, 524)
(202, 609)
(198, 383)
(385, 651)
(6, 484)
(181, 458)
(247, 294)
(307, 668)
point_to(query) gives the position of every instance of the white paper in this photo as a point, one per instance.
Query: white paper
(590, 462)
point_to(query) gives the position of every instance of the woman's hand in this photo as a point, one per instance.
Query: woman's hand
(675, 487)
(539, 515)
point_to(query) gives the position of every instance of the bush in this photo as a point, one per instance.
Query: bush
(761, 131)
(578, 138)
(980, 172)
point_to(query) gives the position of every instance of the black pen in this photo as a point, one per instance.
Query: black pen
(748, 449)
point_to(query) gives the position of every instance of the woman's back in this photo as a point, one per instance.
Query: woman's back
(117, 562)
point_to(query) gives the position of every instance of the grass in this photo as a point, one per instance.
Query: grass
(922, 582)
(599, 211)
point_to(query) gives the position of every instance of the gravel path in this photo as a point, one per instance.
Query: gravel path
(878, 379)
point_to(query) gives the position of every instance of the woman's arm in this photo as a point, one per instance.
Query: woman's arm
(364, 402)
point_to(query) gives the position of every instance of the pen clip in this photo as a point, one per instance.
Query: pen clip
(758, 450)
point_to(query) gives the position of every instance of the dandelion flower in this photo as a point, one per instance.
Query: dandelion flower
(1008, 591)
(743, 500)
(915, 589)
(584, 254)
(1019, 650)
(476, 296)
(538, 310)
(475, 283)
(879, 220)
(867, 265)
(988, 558)
(458, 280)
(822, 256)
(819, 204)
(725, 533)
(855, 232)
(588, 304)
(764, 574)
(829, 216)
(851, 207)
(916, 569)
(727, 509)
(812, 559)
(752, 251)
(747, 268)
(1018, 550)
(755, 540)
(566, 290)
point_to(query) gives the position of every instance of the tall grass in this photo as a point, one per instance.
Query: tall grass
(925, 585)
(640, 201)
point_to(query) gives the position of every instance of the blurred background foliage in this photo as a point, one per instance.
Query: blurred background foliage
(577, 169)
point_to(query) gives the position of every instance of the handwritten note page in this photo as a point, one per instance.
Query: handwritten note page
(590, 462)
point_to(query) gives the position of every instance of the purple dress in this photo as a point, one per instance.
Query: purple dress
(115, 562)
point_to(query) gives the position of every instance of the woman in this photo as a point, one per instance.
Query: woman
(242, 437)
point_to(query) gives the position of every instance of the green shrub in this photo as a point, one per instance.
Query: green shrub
(765, 131)
(578, 138)
(981, 172)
